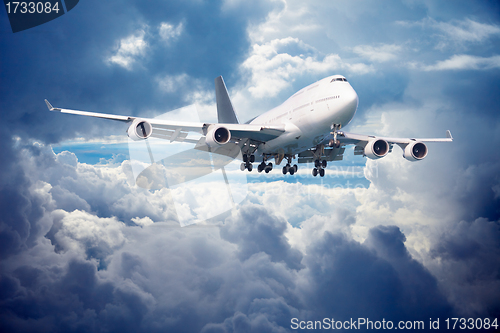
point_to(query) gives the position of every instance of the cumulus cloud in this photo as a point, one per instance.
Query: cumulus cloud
(130, 49)
(83, 249)
(273, 66)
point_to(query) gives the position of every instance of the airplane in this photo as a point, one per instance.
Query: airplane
(306, 127)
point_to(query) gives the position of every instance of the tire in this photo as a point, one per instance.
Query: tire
(321, 172)
(295, 167)
(252, 158)
(315, 172)
(242, 166)
(316, 163)
(245, 158)
(284, 170)
(292, 171)
(323, 163)
(250, 167)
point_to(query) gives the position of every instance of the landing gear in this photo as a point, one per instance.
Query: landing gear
(246, 165)
(319, 168)
(268, 167)
(288, 168)
(319, 171)
(335, 131)
(319, 164)
(247, 162)
(247, 158)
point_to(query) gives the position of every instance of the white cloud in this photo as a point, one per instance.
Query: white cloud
(169, 32)
(172, 83)
(130, 49)
(273, 69)
(456, 33)
(465, 62)
(466, 30)
(380, 53)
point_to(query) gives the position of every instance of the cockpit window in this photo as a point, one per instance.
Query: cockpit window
(339, 79)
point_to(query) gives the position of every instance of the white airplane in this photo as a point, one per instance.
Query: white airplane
(306, 126)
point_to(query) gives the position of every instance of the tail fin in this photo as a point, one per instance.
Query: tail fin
(225, 111)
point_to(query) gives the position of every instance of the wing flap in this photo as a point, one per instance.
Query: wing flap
(330, 154)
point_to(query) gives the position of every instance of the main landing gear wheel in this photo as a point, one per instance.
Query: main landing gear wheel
(246, 165)
(290, 169)
(247, 158)
(261, 167)
(317, 171)
(268, 167)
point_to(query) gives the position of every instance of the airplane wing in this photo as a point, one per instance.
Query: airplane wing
(371, 146)
(352, 138)
(374, 147)
(142, 128)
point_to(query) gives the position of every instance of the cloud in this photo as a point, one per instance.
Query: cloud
(169, 32)
(171, 83)
(381, 53)
(466, 30)
(130, 49)
(456, 33)
(421, 240)
(274, 65)
(465, 62)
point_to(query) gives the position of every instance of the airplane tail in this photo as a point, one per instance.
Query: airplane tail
(225, 111)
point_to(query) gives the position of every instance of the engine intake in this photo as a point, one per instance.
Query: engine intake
(140, 129)
(376, 148)
(217, 136)
(415, 151)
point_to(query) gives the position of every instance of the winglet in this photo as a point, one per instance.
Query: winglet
(51, 108)
(448, 135)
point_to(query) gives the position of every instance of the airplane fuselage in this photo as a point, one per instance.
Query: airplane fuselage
(309, 114)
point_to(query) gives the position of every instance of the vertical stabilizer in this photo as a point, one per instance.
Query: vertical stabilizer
(225, 111)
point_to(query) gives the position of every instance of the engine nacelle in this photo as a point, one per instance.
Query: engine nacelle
(415, 151)
(376, 148)
(140, 129)
(217, 136)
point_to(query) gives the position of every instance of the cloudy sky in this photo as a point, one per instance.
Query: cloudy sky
(85, 249)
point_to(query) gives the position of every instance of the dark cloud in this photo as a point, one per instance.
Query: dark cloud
(72, 259)
(255, 231)
(374, 279)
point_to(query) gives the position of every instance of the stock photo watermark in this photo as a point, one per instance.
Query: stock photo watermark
(24, 15)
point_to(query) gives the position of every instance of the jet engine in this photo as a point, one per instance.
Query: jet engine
(376, 148)
(140, 129)
(217, 136)
(415, 151)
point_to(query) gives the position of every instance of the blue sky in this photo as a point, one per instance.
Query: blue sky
(84, 249)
